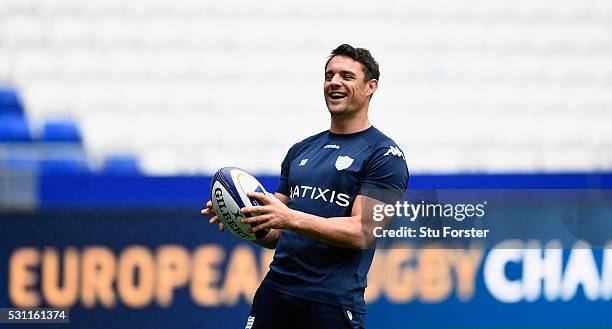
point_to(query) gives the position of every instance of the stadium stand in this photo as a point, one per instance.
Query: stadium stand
(487, 87)
(55, 148)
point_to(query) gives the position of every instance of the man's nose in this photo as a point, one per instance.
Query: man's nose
(335, 81)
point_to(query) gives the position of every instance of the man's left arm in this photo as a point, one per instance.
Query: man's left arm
(352, 232)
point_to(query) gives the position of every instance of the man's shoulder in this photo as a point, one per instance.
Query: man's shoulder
(380, 141)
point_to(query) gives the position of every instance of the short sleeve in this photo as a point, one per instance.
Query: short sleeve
(385, 175)
(283, 185)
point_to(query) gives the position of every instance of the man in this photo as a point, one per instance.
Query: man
(318, 215)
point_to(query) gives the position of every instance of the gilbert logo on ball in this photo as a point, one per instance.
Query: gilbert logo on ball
(228, 190)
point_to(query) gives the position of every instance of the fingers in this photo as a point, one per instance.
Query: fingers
(208, 210)
(264, 225)
(215, 219)
(255, 219)
(253, 209)
(262, 221)
(260, 197)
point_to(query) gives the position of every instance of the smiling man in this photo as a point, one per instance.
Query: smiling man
(318, 275)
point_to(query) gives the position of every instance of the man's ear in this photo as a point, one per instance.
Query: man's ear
(372, 86)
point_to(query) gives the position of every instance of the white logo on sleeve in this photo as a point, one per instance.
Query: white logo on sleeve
(250, 322)
(349, 314)
(343, 162)
(303, 162)
(394, 150)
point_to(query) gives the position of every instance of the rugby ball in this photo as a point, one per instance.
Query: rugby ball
(228, 191)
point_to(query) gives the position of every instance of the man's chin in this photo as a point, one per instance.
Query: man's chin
(336, 110)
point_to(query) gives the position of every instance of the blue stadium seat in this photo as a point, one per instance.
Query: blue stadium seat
(61, 131)
(9, 101)
(57, 166)
(21, 162)
(120, 164)
(14, 128)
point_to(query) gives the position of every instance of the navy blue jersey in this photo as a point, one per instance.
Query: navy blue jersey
(322, 175)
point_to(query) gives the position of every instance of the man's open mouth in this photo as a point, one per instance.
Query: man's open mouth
(337, 95)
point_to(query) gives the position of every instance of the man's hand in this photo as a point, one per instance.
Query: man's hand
(273, 214)
(270, 240)
(209, 211)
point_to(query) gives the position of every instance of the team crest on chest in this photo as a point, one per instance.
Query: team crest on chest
(343, 162)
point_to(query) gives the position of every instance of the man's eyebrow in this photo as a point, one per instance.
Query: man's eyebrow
(341, 72)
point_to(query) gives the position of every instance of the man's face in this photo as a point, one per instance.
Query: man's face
(344, 89)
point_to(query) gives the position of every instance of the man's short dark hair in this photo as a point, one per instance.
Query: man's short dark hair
(361, 55)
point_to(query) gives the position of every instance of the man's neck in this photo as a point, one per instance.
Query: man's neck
(349, 125)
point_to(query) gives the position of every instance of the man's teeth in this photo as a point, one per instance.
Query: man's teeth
(337, 95)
